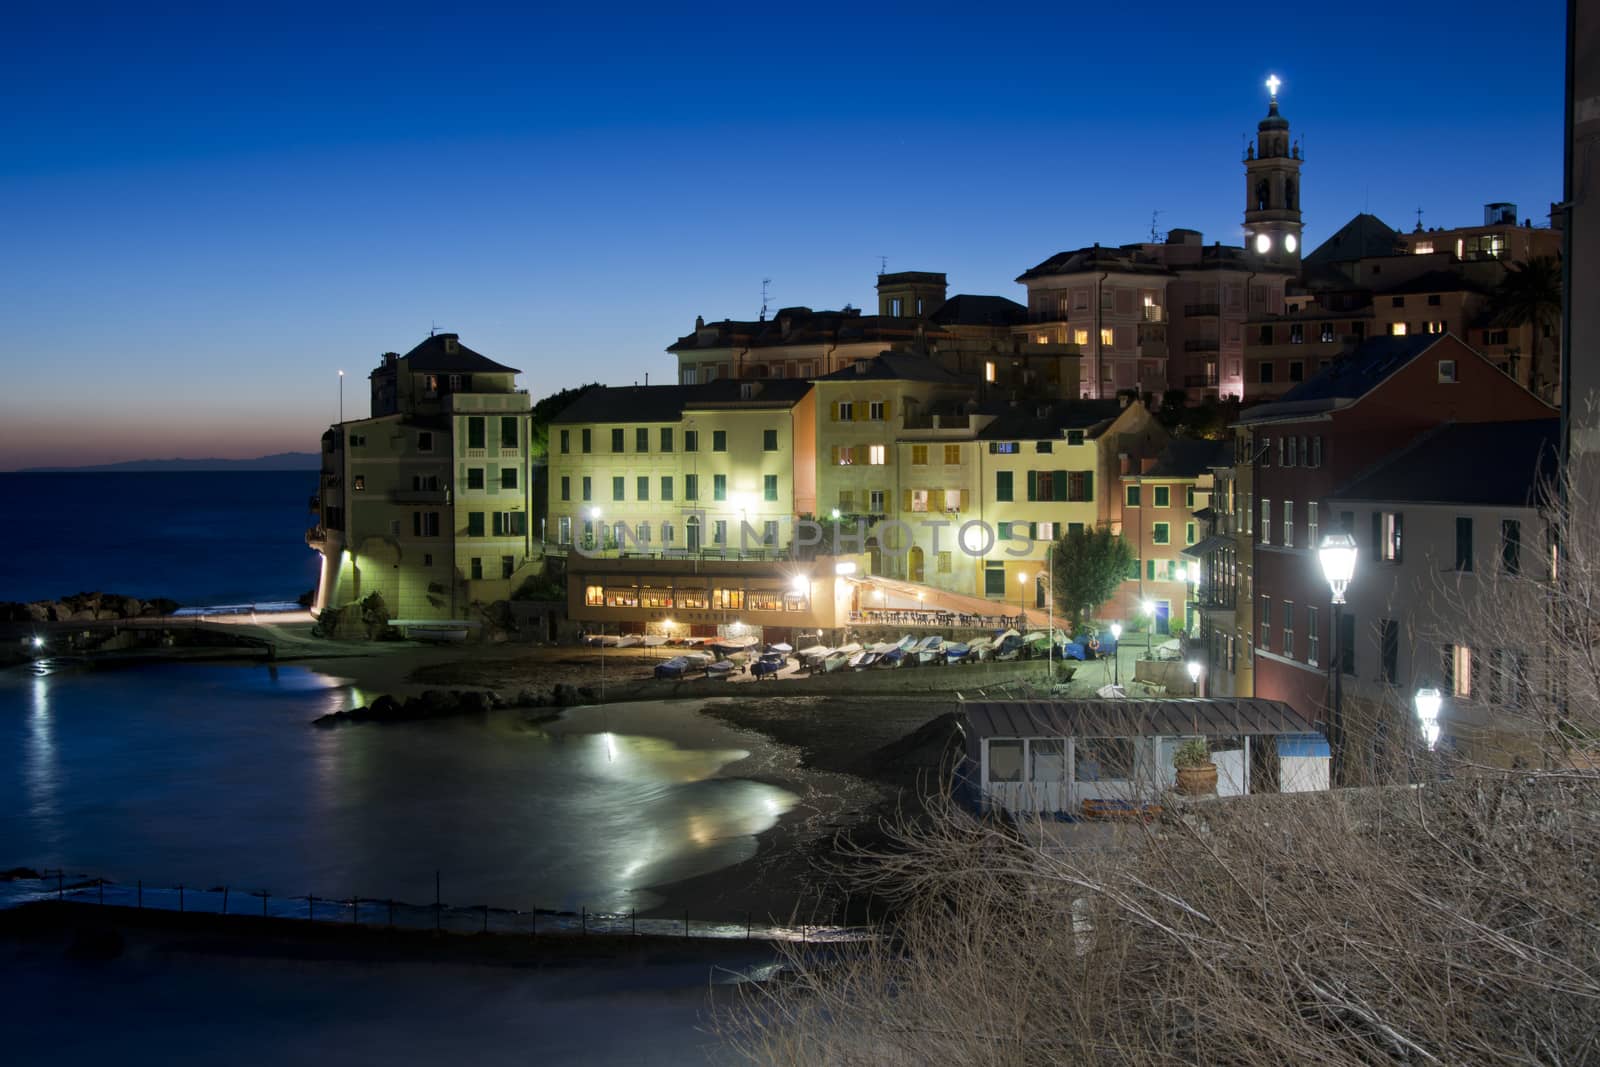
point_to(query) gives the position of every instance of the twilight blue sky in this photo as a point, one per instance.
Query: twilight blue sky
(207, 215)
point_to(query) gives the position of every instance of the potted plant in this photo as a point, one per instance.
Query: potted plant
(1197, 775)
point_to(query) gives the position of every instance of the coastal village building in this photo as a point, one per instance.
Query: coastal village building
(1319, 437)
(722, 468)
(427, 501)
(1475, 553)
(1226, 559)
(1162, 497)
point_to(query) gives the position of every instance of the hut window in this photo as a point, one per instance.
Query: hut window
(1005, 761)
(1102, 758)
(1048, 761)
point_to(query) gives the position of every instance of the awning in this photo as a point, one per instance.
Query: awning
(1208, 546)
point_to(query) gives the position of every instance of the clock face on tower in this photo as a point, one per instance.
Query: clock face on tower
(1263, 244)
(1289, 242)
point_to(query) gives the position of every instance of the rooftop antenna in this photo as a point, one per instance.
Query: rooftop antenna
(883, 265)
(1155, 237)
(764, 283)
(433, 327)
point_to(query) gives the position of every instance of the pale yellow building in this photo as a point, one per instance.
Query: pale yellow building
(427, 501)
(718, 470)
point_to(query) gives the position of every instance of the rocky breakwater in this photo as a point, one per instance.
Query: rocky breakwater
(87, 607)
(454, 703)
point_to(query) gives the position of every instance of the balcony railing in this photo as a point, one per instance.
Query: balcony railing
(1201, 344)
(1155, 313)
(1197, 310)
(419, 496)
(1199, 381)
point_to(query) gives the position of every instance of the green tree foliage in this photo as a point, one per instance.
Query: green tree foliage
(1089, 565)
(1530, 294)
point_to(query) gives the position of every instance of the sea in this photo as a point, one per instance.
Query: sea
(202, 538)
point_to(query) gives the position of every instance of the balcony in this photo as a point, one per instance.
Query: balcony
(1201, 344)
(1201, 310)
(1155, 313)
(1199, 381)
(419, 496)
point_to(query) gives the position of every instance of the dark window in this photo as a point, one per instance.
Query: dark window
(1043, 446)
(770, 486)
(641, 439)
(508, 477)
(566, 487)
(1132, 498)
(719, 487)
(587, 440)
(1002, 486)
(508, 431)
(643, 487)
(425, 441)
(475, 432)
(1389, 645)
(474, 524)
(477, 568)
(474, 477)
(666, 438)
(587, 488)
(1265, 337)
(691, 487)
(508, 566)
(691, 440)
(1297, 371)
(1327, 332)
(617, 439)
(666, 487)
(1463, 543)
(566, 441)
(1398, 302)
(994, 579)
(1511, 545)
(1297, 333)
(1265, 373)
(719, 440)
(1433, 300)
(769, 440)
(618, 485)
(1074, 437)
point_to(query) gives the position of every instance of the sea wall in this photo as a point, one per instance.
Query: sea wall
(965, 679)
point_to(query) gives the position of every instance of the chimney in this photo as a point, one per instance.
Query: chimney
(1147, 464)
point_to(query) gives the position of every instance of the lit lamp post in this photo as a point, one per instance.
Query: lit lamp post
(1194, 676)
(1116, 653)
(1022, 600)
(1428, 701)
(1149, 609)
(597, 537)
(1337, 554)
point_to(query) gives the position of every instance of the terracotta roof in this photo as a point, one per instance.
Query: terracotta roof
(896, 366)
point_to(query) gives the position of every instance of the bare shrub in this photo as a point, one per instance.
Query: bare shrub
(1447, 913)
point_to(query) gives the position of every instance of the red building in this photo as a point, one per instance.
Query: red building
(1319, 437)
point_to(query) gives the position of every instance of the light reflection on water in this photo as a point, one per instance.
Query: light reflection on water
(210, 774)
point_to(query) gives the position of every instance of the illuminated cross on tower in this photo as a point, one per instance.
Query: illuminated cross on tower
(1272, 85)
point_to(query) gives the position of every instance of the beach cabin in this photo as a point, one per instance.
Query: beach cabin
(1069, 758)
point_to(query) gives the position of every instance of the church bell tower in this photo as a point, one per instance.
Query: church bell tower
(1272, 192)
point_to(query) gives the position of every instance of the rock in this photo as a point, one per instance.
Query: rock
(473, 703)
(387, 707)
(565, 695)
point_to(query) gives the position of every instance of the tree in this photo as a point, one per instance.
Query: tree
(1530, 295)
(1089, 565)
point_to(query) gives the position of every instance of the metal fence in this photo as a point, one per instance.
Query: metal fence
(388, 913)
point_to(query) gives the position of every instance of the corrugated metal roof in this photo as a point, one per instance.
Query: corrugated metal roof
(1132, 718)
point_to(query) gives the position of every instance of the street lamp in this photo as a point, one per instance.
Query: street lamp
(1022, 600)
(341, 397)
(1337, 554)
(1194, 676)
(1116, 653)
(597, 537)
(1428, 701)
(1149, 608)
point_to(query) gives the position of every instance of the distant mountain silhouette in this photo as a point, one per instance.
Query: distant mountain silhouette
(281, 461)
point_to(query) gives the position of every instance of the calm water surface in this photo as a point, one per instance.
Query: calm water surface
(209, 774)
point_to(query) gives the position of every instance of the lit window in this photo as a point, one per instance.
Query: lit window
(877, 455)
(988, 370)
(1397, 329)
(1080, 337)
(919, 500)
(875, 501)
(1106, 335)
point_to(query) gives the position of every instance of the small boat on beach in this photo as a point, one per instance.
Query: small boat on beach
(697, 659)
(929, 649)
(894, 657)
(654, 640)
(630, 640)
(673, 669)
(812, 657)
(979, 649)
(769, 664)
(955, 651)
(840, 657)
(721, 669)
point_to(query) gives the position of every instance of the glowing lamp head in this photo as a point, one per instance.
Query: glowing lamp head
(1428, 702)
(800, 583)
(1194, 671)
(1116, 631)
(594, 513)
(1263, 244)
(1194, 574)
(38, 642)
(1149, 608)
(835, 514)
(1289, 242)
(1022, 579)
(1337, 554)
